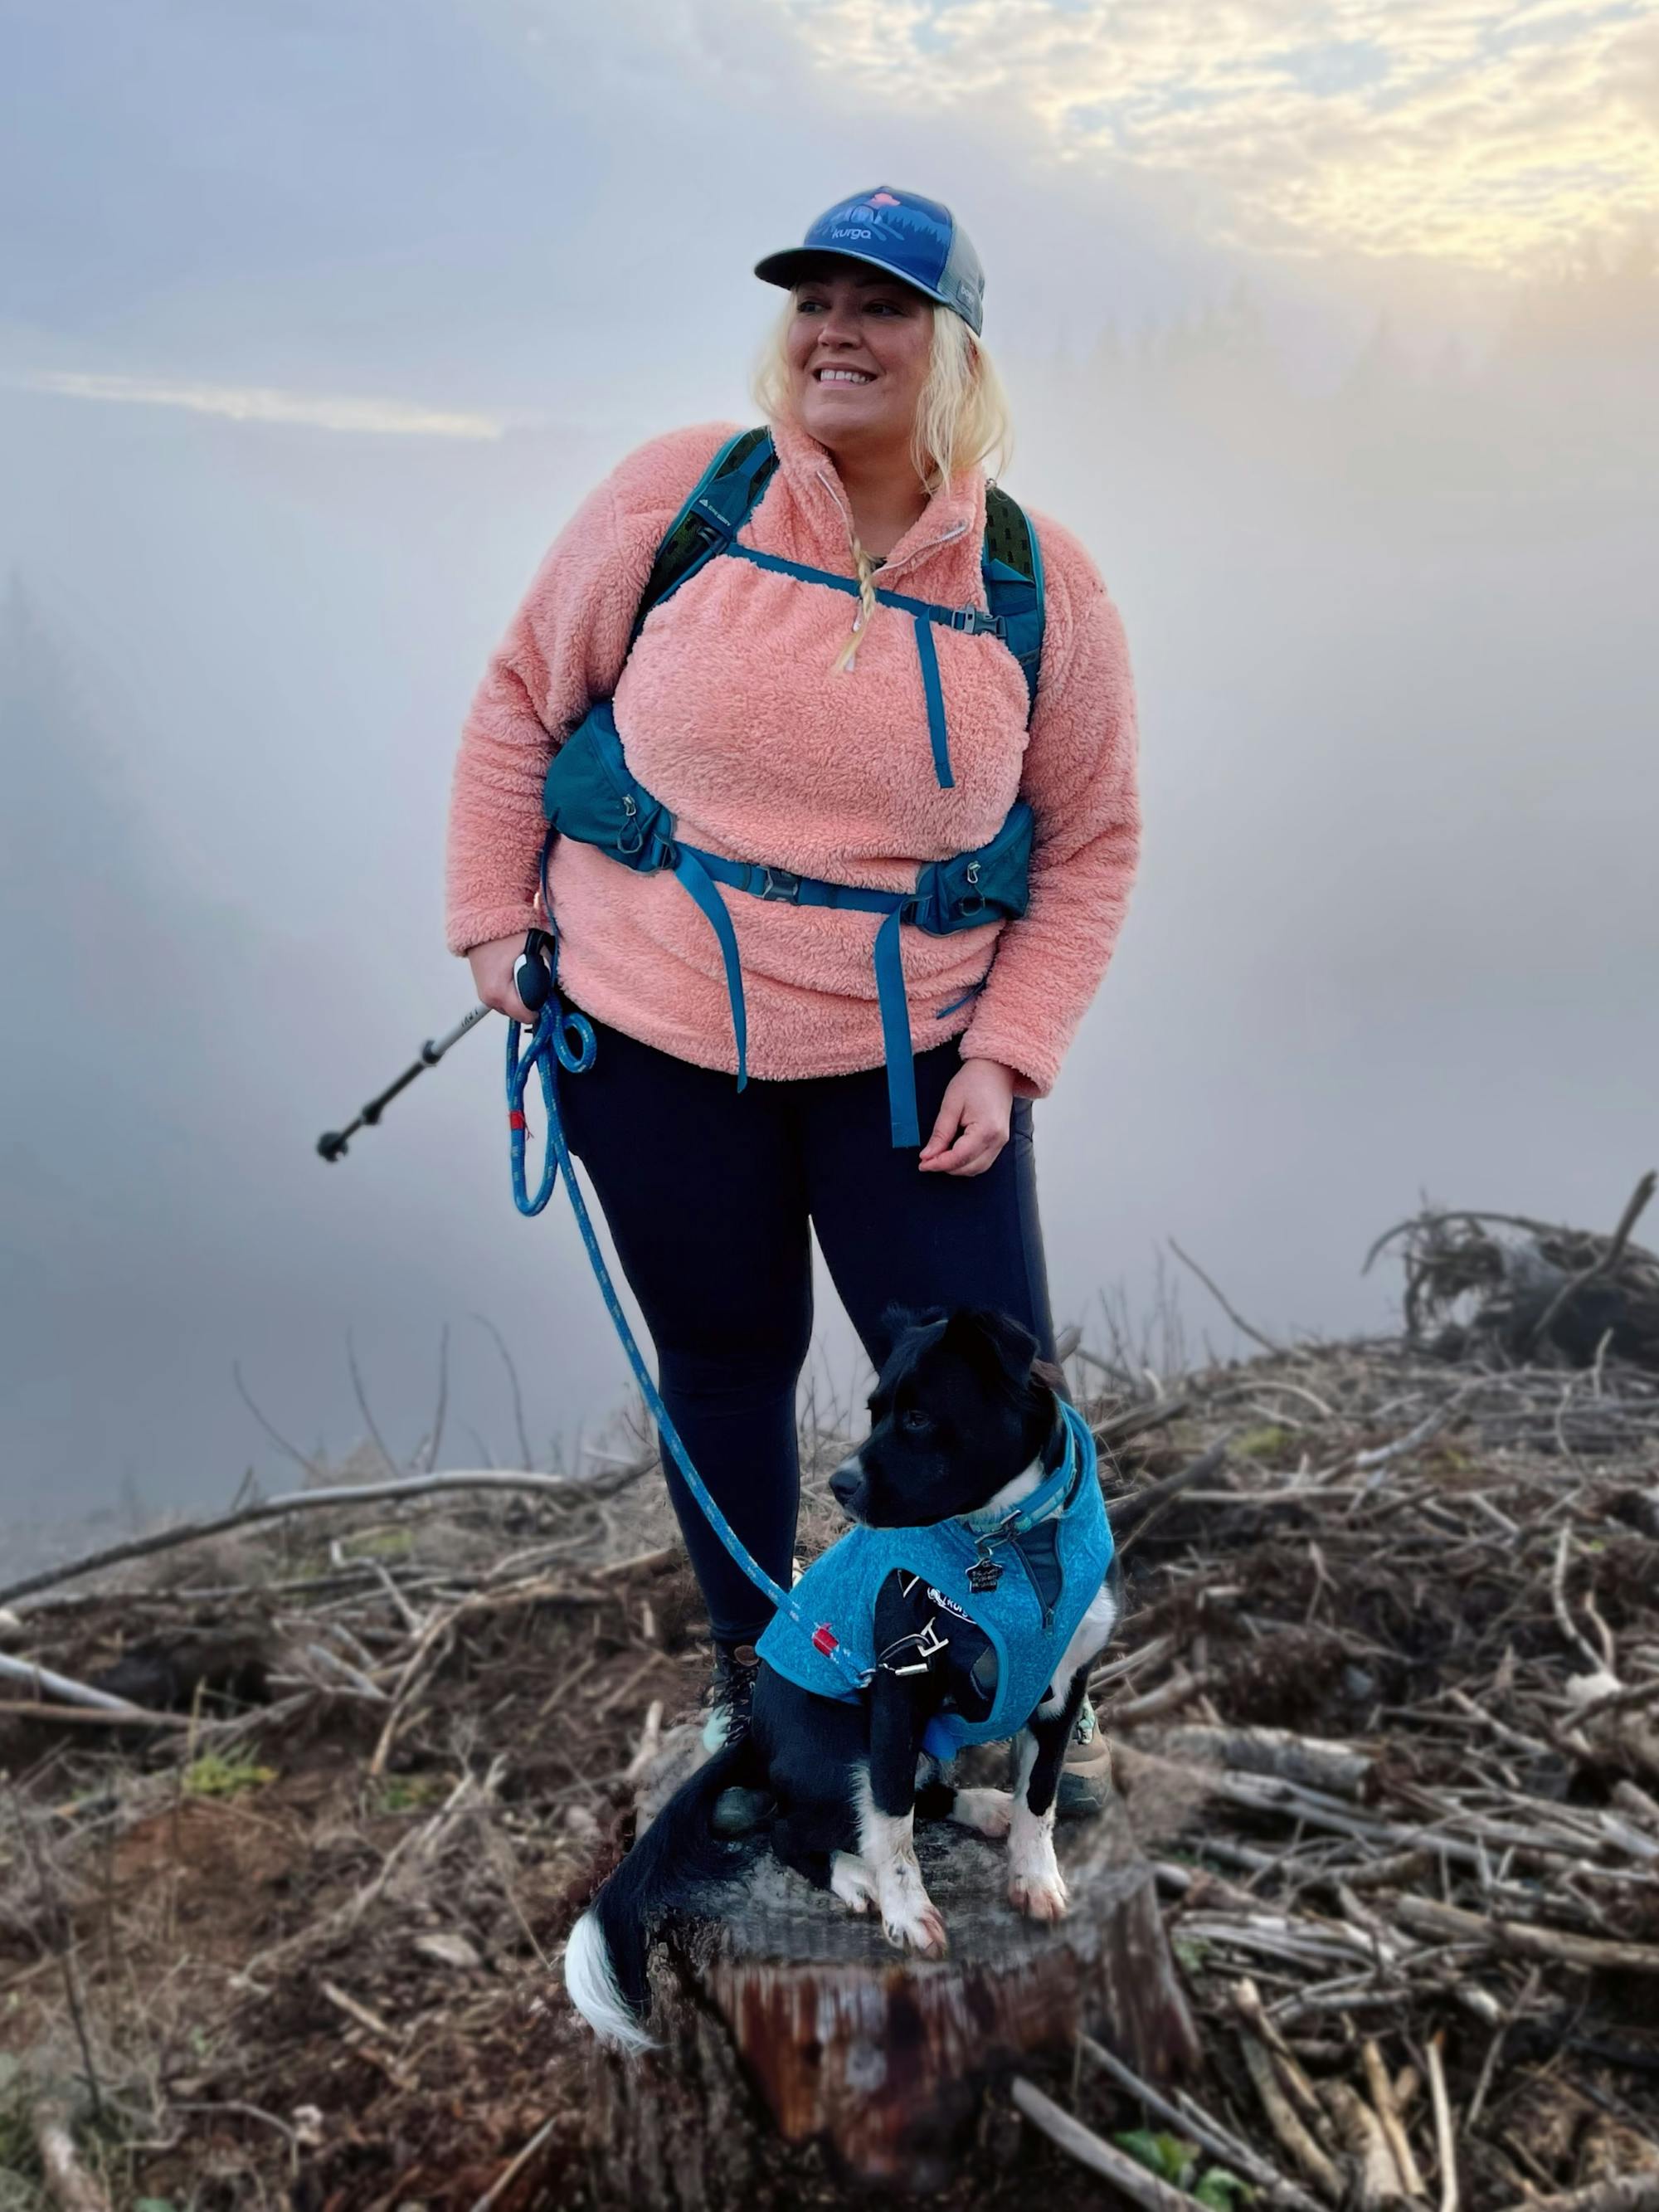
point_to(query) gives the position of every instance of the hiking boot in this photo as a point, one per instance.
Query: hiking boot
(731, 1698)
(1086, 1779)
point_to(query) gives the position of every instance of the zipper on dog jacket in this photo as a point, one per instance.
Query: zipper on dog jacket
(589, 794)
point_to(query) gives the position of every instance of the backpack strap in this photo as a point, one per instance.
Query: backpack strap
(1012, 565)
(721, 501)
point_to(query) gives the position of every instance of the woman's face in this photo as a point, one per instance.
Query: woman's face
(857, 345)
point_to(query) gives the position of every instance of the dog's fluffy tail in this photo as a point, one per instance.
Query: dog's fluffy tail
(678, 1856)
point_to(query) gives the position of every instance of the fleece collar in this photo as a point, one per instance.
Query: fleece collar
(954, 512)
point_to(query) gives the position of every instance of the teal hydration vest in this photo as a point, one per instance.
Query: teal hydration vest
(590, 794)
(977, 1566)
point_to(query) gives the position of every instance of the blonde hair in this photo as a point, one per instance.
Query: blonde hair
(962, 421)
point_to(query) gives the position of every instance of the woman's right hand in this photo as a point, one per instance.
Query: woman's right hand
(492, 973)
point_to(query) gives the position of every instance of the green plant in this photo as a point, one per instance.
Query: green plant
(211, 1776)
(1174, 2159)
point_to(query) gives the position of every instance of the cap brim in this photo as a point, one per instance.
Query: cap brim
(785, 268)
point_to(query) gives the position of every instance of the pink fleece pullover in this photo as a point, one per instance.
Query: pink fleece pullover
(731, 712)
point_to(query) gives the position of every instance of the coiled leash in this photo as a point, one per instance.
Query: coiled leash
(562, 1038)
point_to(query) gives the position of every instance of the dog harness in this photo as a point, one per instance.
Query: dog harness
(590, 794)
(976, 1566)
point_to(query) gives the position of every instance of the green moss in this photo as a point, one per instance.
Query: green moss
(378, 1544)
(412, 1793)
(210, 1776)
(1265, 1442)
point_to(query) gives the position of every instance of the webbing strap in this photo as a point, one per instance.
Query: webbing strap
(938, 735)
(895, 1034)
(695, 875)
(974, 621)
(779, 887)
(700, 872)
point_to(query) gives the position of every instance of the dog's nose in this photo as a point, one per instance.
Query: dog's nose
(846, 1483)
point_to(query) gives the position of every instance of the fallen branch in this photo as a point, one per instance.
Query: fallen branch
(1605, 1262)
(564, 1487)
(1444, 2137)
(1207, 2132)
(42, 1681)
(1625, 2192)
(1124, 2172)
(1526, 1941)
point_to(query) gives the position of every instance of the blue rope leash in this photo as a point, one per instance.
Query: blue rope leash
(563, 1038)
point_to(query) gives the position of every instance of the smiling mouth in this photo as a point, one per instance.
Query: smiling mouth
(843, 376)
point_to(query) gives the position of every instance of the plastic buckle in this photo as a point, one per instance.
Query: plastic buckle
(779, 885)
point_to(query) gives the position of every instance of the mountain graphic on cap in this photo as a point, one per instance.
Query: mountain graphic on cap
(884, 199)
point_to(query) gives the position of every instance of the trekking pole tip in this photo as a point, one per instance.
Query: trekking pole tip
(331, 1143)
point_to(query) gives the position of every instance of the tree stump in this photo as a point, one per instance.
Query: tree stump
(787, 2025)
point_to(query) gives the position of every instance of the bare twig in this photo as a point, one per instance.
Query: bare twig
(436, 1442)
(1445, 2140)
(366, 1409)
(484, 1322)
(510, 2173)
(564, 1487)
(1125, 2173)
(1635, 1206)
(1207, 2132)
(1220, 1298)
(288, 1451)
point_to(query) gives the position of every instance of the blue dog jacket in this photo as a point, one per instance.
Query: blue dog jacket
(976, 1565)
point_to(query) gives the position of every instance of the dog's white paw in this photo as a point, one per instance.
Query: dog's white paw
(852, 1881)
(911, 1921)
(987, 1812)
(1036, 1887)
(1040, 1897)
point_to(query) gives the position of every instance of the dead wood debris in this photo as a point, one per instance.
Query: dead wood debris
(1384, 1706)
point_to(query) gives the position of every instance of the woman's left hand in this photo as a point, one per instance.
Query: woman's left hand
(974, 1114)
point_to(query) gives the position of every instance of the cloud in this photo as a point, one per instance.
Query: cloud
(1500, 134)
(240, 402)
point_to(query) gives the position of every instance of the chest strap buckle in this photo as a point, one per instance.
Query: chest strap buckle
(925, 1643)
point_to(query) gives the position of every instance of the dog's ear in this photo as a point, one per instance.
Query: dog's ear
(997, 1348)
(896, 1322)
(1051, 1377)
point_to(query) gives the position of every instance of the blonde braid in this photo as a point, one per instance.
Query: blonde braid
(846, 660)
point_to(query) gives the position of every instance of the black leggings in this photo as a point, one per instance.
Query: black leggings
(708, 1194)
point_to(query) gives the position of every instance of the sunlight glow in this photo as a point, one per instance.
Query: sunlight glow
(1501, 135)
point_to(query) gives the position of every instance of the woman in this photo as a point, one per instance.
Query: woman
(803, 729)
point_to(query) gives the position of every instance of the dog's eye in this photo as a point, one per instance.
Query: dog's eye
(915, 1422)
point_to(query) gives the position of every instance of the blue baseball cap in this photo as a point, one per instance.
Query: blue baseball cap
(919, 241)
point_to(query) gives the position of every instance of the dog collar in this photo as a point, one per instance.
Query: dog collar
(1051, 1497)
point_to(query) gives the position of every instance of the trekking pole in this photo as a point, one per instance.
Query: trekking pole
(530, 980)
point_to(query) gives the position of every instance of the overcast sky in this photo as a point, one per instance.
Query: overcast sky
(1332, 330)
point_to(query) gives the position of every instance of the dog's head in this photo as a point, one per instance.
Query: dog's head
(962, 1409)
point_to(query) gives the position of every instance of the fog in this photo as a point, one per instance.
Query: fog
(1383, 538)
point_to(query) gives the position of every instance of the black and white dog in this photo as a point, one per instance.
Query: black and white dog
(964, 1419)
